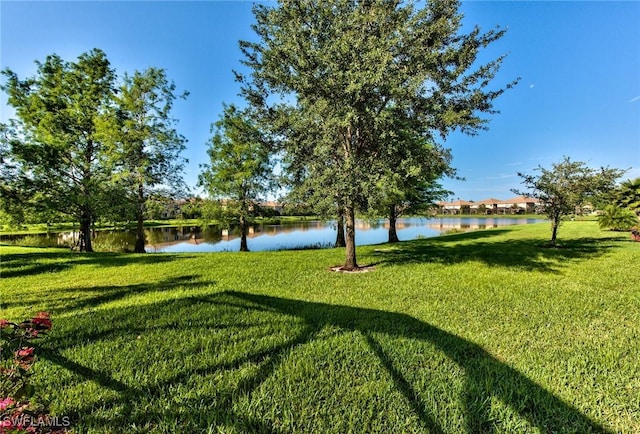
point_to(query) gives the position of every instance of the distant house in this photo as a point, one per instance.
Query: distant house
(584, 209)
(277, 207)
(486, 206)
(172, 209)
(521, 205)
(516, 205)
(180, 208)
(456, 207)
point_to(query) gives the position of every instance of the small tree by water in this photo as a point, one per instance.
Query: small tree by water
(239, 171)
(566, 186)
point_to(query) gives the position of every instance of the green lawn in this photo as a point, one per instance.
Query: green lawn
(485, 331)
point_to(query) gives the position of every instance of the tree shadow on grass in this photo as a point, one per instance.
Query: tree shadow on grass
(31, 264)
(486, 376)
(92, 297)
(524, 254)
(270, 332)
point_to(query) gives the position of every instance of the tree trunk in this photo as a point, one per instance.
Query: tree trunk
(84, 239)
(350, 223)
(140, 237)
(243, 234)
(393, 234)
(340, 242)
(555, 223)
(86, 216)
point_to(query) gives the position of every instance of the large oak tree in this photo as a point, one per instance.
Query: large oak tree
(343, 70)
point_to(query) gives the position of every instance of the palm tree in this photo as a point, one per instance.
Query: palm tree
(617, 218)
(629, 195)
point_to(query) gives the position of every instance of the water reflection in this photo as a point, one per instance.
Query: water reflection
(320, 234)
(298, 235)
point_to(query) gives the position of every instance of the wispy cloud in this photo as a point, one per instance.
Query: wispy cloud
(501, 176)
(634, 99)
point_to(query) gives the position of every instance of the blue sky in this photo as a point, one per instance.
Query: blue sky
(579, 64)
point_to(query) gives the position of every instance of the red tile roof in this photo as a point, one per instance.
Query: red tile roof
(522, 199)
(456, 203)
(490, 201)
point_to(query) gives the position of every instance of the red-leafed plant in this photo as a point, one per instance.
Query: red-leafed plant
(17, 414)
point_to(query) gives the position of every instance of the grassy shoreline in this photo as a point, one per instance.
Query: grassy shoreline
(475, 332)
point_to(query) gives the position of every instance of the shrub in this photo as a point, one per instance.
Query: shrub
(17, 414)
(617, 219)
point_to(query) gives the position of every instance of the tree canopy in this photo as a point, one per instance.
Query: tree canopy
(333, 80)
(239, 171)
(146, 148)
(55, 143)
(628, 195)
(565, 186)
(84, 145)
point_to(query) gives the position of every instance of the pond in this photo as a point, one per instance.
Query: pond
(299, 235)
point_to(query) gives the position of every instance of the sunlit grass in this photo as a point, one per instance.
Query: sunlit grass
(476, 332)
